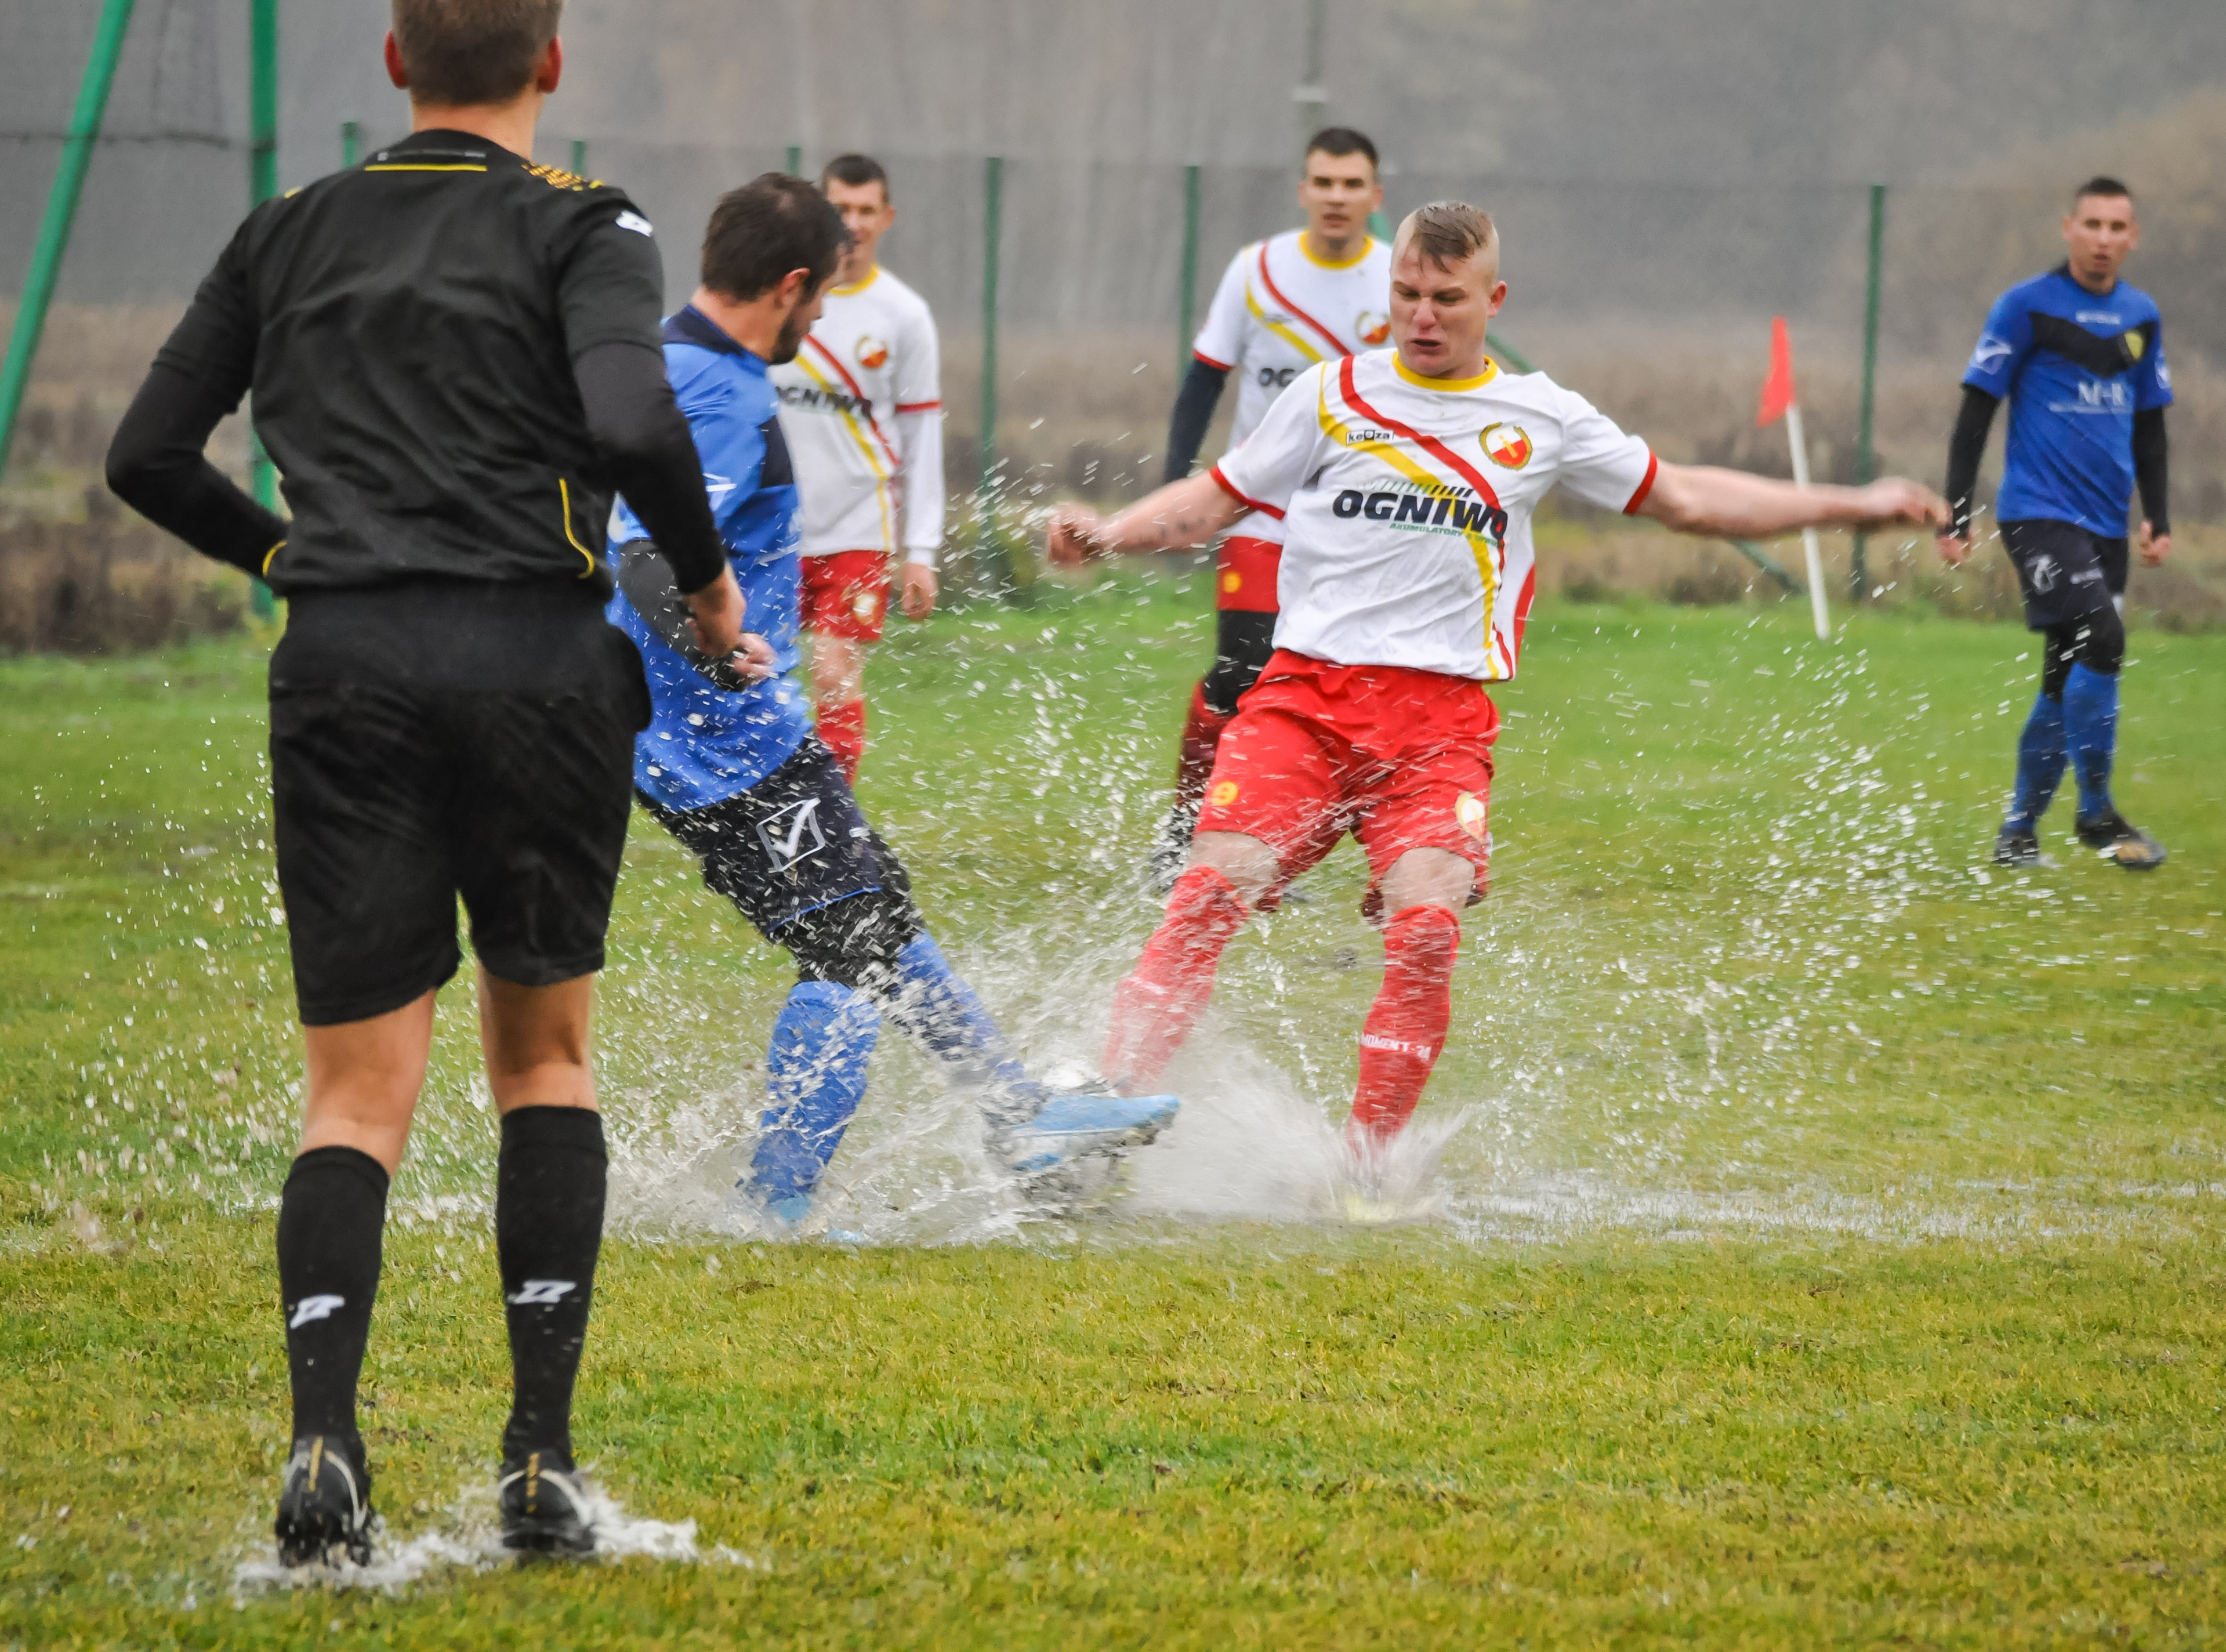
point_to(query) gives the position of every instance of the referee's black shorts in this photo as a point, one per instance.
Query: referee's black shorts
(2065, 572)
(496, 765)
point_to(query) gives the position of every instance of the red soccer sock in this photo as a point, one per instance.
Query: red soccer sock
(843, 730)
(1407, 1026)
(1201, 737)
(1156, 1008)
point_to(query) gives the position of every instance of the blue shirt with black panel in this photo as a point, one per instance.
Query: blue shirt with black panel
(2074, 367)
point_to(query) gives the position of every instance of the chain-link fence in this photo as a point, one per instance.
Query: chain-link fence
(1651, 298)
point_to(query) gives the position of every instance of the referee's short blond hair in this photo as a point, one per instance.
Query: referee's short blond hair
(1448, 232)
(463, 51)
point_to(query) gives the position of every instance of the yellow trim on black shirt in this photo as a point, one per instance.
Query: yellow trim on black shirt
(564, 494)
(270, 555)
(398, 167)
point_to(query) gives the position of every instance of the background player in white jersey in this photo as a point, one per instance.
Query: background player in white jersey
(1307, 296)
(862, 409)
(1405, 482)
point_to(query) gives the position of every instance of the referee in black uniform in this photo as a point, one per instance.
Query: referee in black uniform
(454, 360)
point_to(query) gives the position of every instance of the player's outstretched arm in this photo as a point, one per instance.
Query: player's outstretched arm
(1722, 503)
(1179, 514)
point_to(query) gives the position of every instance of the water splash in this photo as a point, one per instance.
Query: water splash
(469, 1537)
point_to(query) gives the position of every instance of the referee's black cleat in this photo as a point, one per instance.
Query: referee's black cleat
(544, 1507)
(2116, 838)
(2017, 847)
(324, 1504)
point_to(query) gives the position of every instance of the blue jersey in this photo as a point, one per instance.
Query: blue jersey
(703, 744)
(2075, 367)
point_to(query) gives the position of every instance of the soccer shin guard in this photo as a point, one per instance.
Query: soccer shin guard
(549, 1196)
(1406, 1027)
(330, 1219)
(1156, 1008)
(2090, 728)
(816, 1070)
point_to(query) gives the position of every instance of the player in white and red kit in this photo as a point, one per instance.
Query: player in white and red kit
(1307, 296)
(862, 409)
(1405, 481)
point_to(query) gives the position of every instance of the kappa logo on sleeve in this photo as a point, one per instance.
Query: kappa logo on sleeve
(1990, 354)
(635, 222)
(792, 834)
(311, 1308)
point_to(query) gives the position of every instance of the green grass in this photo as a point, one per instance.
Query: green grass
(1829, 1255)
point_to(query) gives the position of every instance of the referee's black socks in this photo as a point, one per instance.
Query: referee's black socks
(548, 1227)
(329, 1220)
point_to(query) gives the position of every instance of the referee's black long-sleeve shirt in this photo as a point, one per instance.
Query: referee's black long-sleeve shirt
(455, 359)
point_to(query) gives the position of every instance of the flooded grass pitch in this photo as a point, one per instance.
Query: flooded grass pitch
(1794, 1181)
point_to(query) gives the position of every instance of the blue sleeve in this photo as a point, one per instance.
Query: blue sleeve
(2151, 377)
(2003, 346)
(731, 448)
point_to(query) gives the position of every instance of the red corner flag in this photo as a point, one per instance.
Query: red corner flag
(1777, 389)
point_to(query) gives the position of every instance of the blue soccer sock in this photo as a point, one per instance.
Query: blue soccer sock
(2041, 764)
(929, 999)
(2090, 727)
(815, 1072)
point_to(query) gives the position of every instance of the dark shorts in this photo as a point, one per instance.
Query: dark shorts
(794, 843)
(2064, 571)
(392, 800)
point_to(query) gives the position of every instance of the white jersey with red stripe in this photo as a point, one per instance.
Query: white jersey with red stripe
(862, 409)
(1407, 502)
(1278, 311)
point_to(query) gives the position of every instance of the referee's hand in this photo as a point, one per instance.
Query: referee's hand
(716, 611)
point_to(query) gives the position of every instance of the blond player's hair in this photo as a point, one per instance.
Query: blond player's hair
(1448, 232)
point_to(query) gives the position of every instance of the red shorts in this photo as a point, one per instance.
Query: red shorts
(1400, 759)
(845, 594)
(1244, 574)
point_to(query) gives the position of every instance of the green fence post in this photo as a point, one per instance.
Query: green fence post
(1858, 572)
(61, 210)
(351, 143)
(986, 541)
(1189, 266)
(795, 167)
(261, 184)
(579, 157)
(1508, 353)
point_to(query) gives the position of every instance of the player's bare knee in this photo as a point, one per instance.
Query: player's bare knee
(1428, 877)
(1248, 864)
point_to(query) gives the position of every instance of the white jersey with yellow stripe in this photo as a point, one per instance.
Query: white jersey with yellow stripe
(1406, 505)
(1279, 310)
(862, 409)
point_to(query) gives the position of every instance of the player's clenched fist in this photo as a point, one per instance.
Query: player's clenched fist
(1073, 535)
(1896, 499)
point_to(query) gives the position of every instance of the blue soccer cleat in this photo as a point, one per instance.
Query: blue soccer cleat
(1071, 1127)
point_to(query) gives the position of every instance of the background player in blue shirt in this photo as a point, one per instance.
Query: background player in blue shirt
(2079, 355)
(729, 764)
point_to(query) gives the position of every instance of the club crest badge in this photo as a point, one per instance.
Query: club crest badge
(873, 352)
(1469, 811)
(1372, 328)
(1508, 445)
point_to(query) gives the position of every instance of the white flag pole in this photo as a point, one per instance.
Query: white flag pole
(1808, 534)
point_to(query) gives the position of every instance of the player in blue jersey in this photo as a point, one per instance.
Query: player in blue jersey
(2079, 356)
(729, 764)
